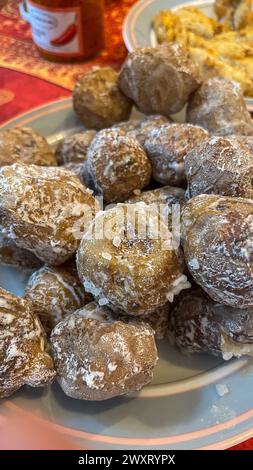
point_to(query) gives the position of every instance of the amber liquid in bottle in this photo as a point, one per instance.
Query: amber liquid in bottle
(67, 30)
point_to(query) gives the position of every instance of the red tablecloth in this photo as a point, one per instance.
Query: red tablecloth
(27, 80)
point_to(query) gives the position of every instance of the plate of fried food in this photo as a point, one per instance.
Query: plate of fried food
(126, 299)
(217, 34)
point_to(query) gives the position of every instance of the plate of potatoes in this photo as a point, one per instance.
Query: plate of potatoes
(126, 258)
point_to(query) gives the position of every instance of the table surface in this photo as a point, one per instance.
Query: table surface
(28, 81)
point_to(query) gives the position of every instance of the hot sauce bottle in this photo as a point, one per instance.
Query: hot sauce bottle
(66, 30)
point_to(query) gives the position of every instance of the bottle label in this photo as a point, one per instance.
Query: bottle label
(56, 30)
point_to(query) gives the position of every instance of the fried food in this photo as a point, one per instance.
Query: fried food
(219, 48)
(74, 148)
(220, 165)
(98, 101)
(116, 165)
(169, 26)
(198, 324)
(236, 12)
(13, 255)
(167, 146)
(139, 128)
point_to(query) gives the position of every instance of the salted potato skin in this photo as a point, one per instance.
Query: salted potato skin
(25, 145)
(219, 106)
(22, 346)
(199, 324)
(126, 270)
(55, 292)
(160, 79)
(98, 101)
(220, 165)
(44, 210)
(217, 237)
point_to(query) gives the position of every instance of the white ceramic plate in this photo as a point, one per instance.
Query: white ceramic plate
(137, 30)
(180, 410)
